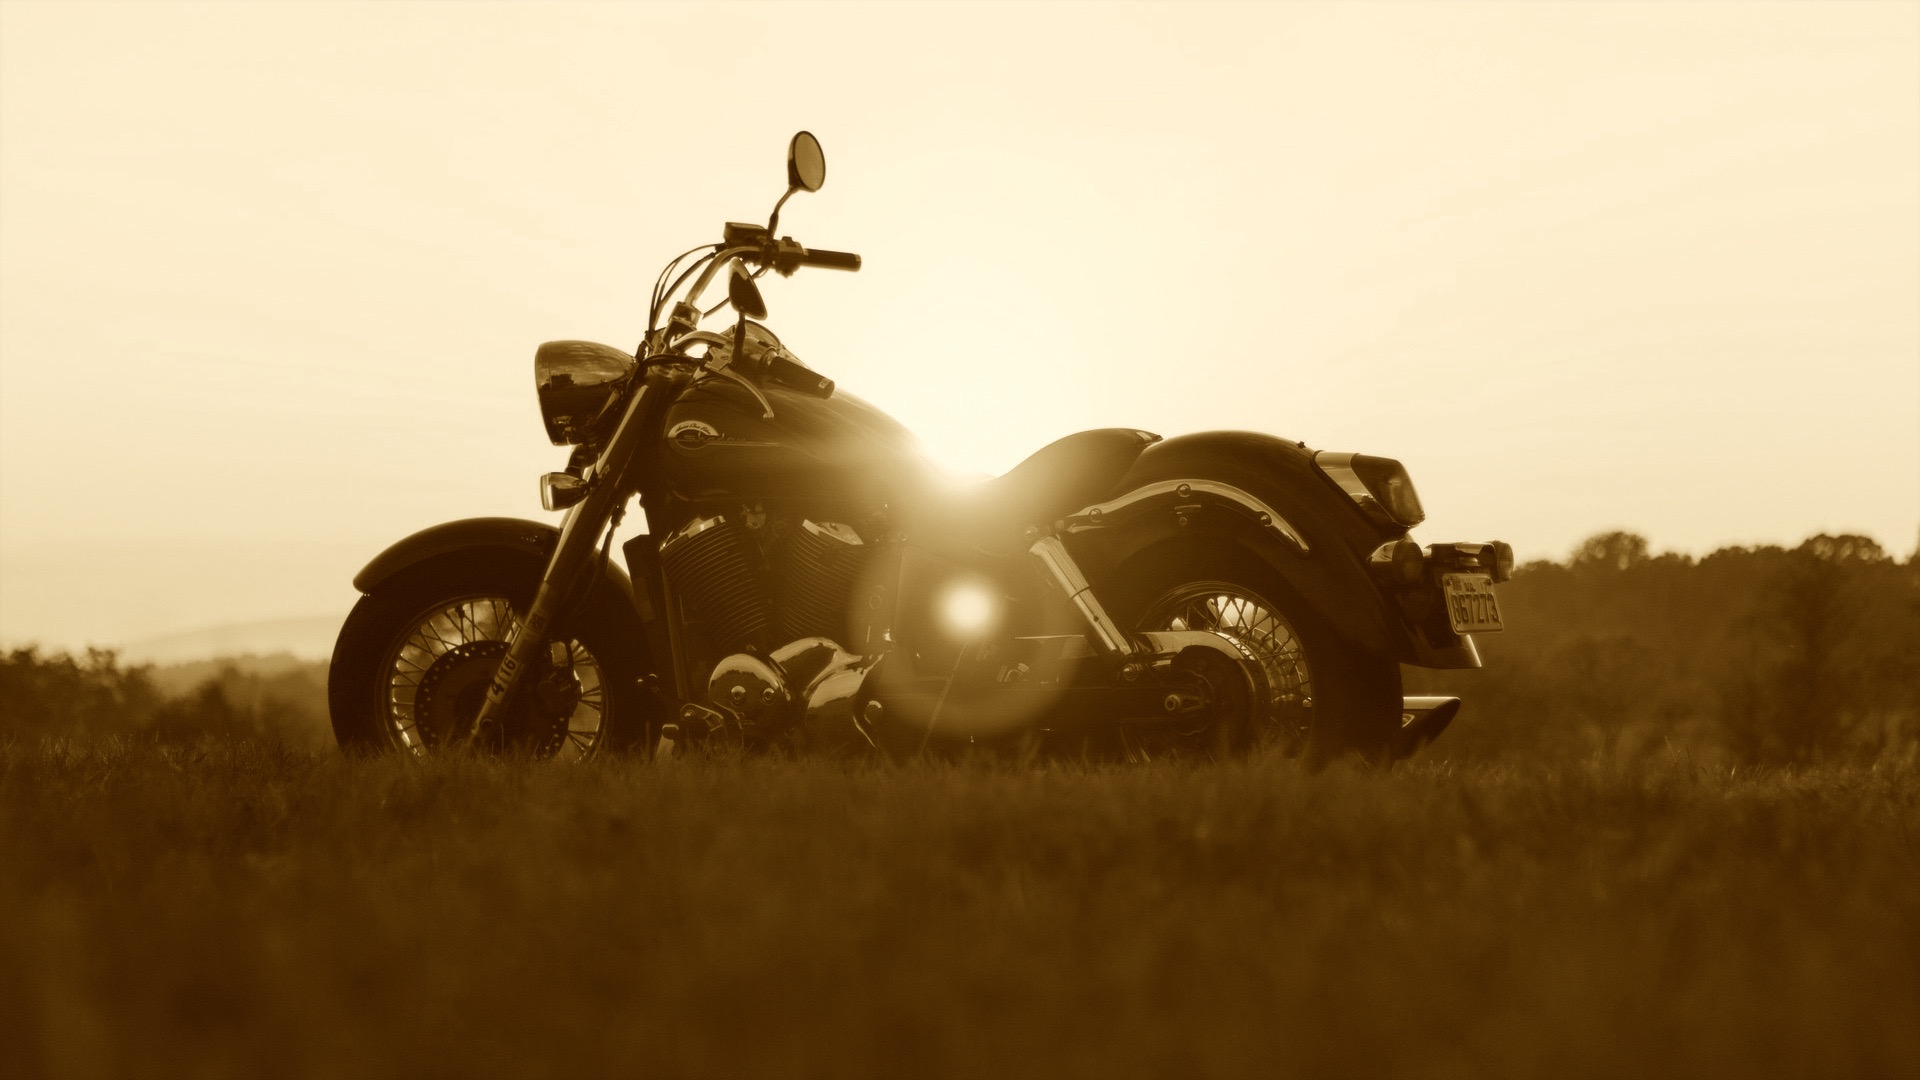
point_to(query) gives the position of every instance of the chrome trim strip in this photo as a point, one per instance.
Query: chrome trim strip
(691, 529)
(1175, 494)
(833, 530)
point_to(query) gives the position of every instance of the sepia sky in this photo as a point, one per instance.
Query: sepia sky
(272, 274)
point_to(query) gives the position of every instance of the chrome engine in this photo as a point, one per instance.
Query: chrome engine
(744, 577)
(822, 566)
(711, 565)
(807, 684)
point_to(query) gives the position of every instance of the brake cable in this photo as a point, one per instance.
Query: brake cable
(659, 297)
(606, 545)
(579, 590)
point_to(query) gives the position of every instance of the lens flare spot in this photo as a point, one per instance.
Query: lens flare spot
(968, 609)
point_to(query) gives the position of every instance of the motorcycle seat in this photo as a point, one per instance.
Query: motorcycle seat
(1063, 476)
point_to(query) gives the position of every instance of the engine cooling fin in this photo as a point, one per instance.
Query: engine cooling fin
(709, 561)
(823, 563)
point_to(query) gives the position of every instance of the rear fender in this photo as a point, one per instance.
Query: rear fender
(532, 541)
(1317, 544)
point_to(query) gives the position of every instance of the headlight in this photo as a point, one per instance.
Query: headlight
(578, 383)
(1379, 486)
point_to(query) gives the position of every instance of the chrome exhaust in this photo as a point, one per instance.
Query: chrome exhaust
(1422, 719)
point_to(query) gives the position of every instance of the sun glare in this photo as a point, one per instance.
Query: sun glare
(968, 609)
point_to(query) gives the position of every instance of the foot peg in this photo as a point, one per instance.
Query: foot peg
(669, 739)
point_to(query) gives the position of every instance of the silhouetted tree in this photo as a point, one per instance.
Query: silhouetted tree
(1765, 654)
(60, 695)
(1611, 550)
(1811, 613)
(64, 695)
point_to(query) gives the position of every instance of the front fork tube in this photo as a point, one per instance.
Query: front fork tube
(573, 555)
(583, 526)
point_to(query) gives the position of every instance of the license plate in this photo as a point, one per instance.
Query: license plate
(1471, 605)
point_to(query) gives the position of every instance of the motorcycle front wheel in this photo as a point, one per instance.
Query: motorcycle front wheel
(1327, 699)
(414, 659)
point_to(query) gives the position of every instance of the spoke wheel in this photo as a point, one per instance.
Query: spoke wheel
(436, 677)
(1255, 627)
(416, 657)
(1327, 698)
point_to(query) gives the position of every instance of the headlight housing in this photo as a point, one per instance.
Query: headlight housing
(1379, 486)
(579, 383)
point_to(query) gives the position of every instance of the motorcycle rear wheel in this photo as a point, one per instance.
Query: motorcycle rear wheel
(1328, 698)
(414, 658)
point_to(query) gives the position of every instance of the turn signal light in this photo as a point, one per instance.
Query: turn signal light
(1398, 562)
(559, 490)
(1500, 560)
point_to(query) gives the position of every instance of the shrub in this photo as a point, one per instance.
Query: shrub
(60, 695)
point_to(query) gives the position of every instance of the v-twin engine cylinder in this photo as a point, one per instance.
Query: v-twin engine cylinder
(711, 566)
(715, 565)
(823, 565)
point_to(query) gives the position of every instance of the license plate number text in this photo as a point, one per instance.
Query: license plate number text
(1471, 606)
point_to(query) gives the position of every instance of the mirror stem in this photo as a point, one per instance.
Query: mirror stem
(773, 222)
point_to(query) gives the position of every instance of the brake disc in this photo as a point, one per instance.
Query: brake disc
(447, 701)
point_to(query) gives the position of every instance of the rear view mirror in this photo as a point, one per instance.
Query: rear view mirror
(744, 294)
(806, 163)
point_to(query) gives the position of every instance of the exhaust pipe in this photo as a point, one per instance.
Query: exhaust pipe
(1422, 719)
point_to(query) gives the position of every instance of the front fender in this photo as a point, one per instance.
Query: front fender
(532, 540)
(1327, 567)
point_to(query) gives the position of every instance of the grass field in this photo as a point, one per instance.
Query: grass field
(261, 910)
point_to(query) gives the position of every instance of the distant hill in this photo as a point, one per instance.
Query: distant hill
(178, 679)
(302, 639)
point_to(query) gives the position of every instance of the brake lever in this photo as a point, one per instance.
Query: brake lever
(765, 405)
(713, 342)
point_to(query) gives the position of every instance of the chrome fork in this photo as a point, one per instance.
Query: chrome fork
(578, 534)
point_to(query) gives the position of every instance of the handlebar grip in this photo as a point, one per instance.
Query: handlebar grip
(787, 371)
(831, 260)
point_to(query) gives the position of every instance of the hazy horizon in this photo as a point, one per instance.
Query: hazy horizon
(271, 277)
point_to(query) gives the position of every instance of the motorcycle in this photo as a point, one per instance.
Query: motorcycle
(806, 580)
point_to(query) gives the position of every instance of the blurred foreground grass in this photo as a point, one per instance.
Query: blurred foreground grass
(264, 910)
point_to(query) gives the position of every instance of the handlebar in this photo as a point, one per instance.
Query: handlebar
(787, 254)
(751, 244)
(830, 260)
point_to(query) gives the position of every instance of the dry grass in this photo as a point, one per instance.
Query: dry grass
(261, 910)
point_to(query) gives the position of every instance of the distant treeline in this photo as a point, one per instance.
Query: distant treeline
(95, 694)
(1761, 655)
(1750, 655)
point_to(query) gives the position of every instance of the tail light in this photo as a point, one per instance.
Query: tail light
(1379, 486)
(1398, 562)
(1502, 566)
(1495, 558)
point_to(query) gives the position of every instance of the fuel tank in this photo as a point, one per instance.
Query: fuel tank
(833, 451)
